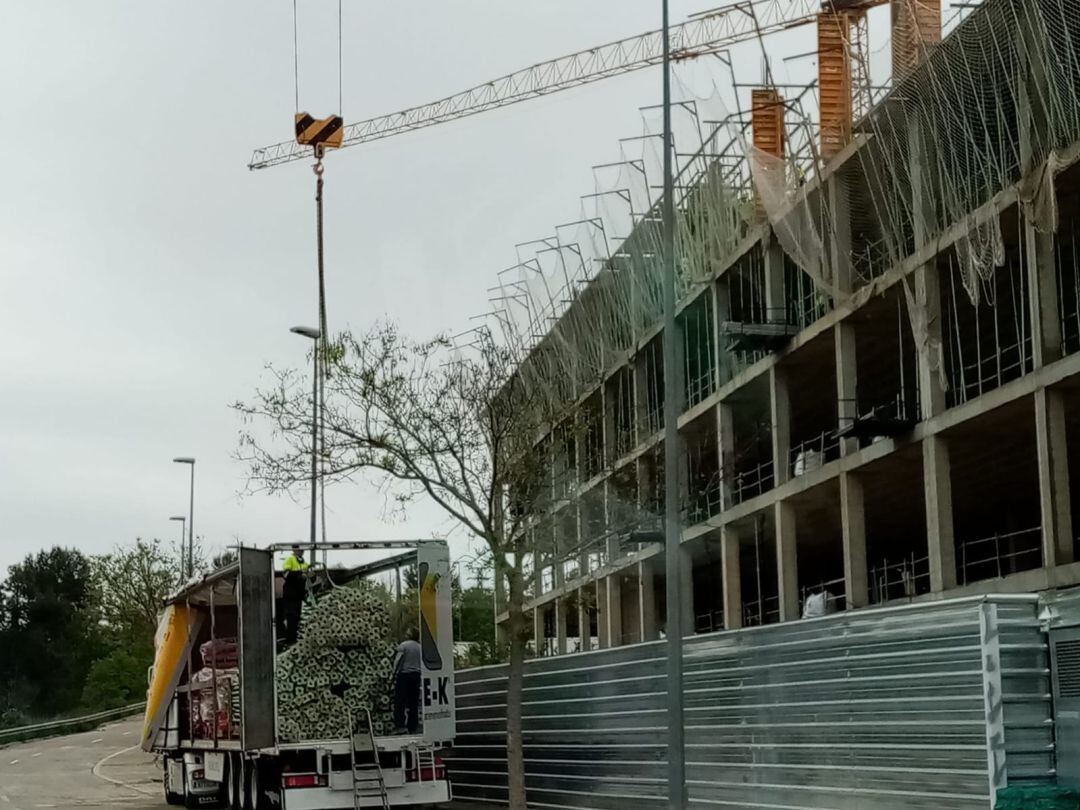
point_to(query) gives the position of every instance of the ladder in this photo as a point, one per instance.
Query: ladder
(367, 778)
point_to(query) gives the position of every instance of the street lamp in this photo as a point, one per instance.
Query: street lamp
(677, 799)
(191, 515)
(314, 335)
(183, 520)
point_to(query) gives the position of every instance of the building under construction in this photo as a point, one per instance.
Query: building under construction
(879, 332)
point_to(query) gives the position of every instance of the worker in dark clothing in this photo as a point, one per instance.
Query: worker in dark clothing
(407, 685)
(293, 593)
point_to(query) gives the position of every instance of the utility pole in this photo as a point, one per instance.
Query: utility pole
(672, 528)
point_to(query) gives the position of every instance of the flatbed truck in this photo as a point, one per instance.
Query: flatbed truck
(239, 759)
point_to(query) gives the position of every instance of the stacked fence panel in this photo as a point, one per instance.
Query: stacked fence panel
(877, 708)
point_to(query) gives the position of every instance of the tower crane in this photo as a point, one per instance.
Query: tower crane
(706, 33)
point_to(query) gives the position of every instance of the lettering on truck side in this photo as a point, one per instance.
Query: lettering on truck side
(435, 695)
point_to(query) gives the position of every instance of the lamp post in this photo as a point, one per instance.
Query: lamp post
(191, 515)
(314, 335)
(672, 523)
(183, 520)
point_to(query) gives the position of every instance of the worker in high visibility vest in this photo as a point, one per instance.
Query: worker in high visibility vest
(293, 593)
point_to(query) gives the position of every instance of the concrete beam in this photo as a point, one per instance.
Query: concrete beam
(1054, 501)
(853, 522)
(647, 601)
(732, 578)
(937, 487)
(787, 561)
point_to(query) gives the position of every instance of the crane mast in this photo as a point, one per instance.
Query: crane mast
(705, 34)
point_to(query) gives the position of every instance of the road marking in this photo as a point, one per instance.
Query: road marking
(96, 771)
(4, 799)
(14, 762)
(38, 754)
(95, 742)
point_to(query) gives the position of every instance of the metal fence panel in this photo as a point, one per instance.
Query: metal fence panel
(876, 708)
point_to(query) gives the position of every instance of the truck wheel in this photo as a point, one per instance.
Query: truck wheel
(236, 774)
(268, 786)
(251, 785)
(171, 797)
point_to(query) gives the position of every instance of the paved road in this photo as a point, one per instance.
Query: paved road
(103, 768)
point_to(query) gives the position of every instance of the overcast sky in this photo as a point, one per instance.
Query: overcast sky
(147, 277)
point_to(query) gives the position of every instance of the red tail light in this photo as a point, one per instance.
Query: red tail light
(303, 780)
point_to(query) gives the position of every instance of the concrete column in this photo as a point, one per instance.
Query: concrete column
(722, 312)
(775, 291)
(641, 399)
(787, 561)
(781, 426)
(613, 595)
(1043, 296)
(927, 287)
(927, 295)
(686, 585)
(937, 484)
(501, 637)
(1054, 502)
(603, 636)
(843, 273)
(539, 637)
(846, 388)
(584, 633)
(560, 626)
(725, 440)
(853, 521)
(732, 578)
(647, 600)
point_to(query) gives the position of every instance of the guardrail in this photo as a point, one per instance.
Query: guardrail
(67, 725)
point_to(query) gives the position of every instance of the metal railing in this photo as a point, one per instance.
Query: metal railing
(813, 453)
(1000, 555)
(899, 580)
(835, 594)
(751, 483)
(68, 724)
(761, 611)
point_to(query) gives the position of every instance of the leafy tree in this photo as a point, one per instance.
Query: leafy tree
(49, 632)
(118, 679)
(428, 419)
(133, 583)
(223, 558)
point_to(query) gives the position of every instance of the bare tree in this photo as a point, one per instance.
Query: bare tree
(451, 423)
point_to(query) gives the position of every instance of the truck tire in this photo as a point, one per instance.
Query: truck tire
(234, 793)
(171, 797)
(251, 785)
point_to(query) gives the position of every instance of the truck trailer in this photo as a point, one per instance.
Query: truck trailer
(214, 715)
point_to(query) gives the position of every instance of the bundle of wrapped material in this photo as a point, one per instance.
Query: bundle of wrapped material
(339, 670)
